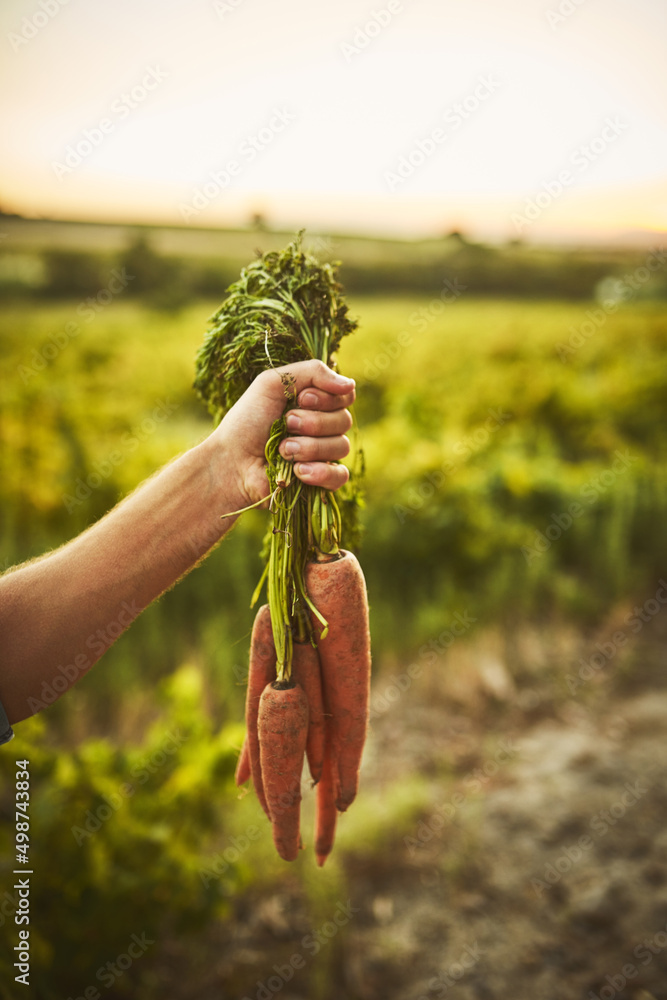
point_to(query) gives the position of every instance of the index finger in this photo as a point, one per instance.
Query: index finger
(316, 374)
(316, 399)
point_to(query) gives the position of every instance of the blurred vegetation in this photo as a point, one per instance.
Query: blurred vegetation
(483, 420)
(479, 438)
(125, 828)
(170, 266)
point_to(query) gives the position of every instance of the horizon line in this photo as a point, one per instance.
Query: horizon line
(621, 240)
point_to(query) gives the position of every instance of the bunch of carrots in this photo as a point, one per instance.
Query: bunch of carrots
(309, 675)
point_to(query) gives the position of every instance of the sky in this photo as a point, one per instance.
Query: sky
(538, 119)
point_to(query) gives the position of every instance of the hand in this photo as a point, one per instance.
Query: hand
(316, 429)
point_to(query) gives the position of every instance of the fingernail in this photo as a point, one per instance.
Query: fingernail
(291, 447)
(293, 421)
(304, 469)
(309, 399)
(343, 379)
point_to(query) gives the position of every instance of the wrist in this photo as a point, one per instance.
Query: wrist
(225, 484)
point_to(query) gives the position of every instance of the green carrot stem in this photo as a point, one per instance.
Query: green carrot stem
(285, 307)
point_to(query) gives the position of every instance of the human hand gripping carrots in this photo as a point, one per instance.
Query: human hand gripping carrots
(322, 711)
(317, 427)
(54, 609)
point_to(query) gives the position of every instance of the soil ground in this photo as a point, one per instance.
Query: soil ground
(538, 873)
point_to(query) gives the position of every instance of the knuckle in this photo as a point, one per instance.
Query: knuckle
(266, 378)
(310, 424)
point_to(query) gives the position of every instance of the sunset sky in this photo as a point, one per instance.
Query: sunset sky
(405, 116)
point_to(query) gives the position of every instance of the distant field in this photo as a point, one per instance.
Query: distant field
(206, 260)
(192, 241)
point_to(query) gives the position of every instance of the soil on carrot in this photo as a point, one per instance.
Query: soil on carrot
(538, 871)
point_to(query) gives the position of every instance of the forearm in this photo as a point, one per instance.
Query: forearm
(65, 609)
(60, 613)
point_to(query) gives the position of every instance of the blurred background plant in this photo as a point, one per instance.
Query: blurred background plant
(480, 433)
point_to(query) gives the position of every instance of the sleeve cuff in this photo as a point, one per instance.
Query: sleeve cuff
(6, 731)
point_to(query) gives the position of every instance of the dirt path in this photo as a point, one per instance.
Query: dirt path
(538, 871)
(542, 875)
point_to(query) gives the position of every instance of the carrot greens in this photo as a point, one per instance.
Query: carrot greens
(285, 307)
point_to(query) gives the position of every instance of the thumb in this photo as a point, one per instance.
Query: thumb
(289, 380)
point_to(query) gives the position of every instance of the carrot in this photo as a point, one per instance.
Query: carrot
(325, 813)
(306, 672)
(243, 764)
(285, 307)
(262, 671)
(338, 591)
(282, 725)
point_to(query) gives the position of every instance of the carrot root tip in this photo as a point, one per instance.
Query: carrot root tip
(287, 855)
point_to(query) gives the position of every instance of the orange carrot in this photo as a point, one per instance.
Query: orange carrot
(306, 672)
(243, 764)
(338, 591)
(282, 725)
(325, 812)
(262, 671)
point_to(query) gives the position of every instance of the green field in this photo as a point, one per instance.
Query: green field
(174, 266)
(516, 472)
